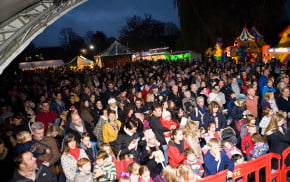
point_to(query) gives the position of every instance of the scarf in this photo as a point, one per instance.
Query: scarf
(75, 153)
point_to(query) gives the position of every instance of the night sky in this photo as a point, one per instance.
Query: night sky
(107, 16)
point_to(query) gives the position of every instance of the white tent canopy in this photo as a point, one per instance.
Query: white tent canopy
(40, 64)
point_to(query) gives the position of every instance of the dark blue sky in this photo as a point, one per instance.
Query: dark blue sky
(107, 16)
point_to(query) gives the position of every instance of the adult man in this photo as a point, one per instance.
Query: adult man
(28, 170)
(158, 129)
(45, 142)
(216, 95)
(57, 105)
(110, 92)
(252, 101)
(77, 127)
(175, 96)
(46, 115)
(283, 102)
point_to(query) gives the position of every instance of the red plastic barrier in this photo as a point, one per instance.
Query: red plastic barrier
(253, 166)
(220, 176)
(285, 168)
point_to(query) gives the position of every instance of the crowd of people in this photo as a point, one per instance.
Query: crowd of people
(178, 121)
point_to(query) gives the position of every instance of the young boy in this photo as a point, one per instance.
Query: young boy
(191, 160)
(25, 143)
(85, 175)
(104, 170)
(247, 143)
(215, 160)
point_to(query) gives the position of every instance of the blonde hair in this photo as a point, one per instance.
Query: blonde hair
(189, 128)
(169, 173)
(184, 171)
(54, 128)
(143, 169)
(148, 96)
(256, 137)
(124, 179)
(266, 111)
(131, 167)
(268, 95)
(249, 118)
(213, 141)
(273, 125)
(22, 136)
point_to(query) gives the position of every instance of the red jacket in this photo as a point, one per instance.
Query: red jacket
(247, 144)
(46, 118)
(175, 156)
(167, 124)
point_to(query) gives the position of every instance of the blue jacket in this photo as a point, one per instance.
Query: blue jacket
(265, 89)
(211, 164)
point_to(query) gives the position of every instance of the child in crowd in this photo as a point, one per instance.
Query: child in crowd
(261, 147)
(107, 148)
(186, 174)
(104, 170)
(25, 143)
(169, 174)
(90, 147)
(210, 133)
(176, 147)
(167, 122)
(85, 175)
(215, 160)
(144, 173)
(247, 143)
(192, 161)
(250, 120)
(268, 113)
(124, 179)
(133, 169)
(192, 136)
(230, 149)
(238, 159)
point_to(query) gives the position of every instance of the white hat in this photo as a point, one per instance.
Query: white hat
(165, 113)
(111, 100)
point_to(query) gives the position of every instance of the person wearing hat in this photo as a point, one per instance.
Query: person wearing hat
(113, 106)
(239, 112)
(155, 91)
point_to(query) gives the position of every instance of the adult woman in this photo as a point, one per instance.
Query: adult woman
(19, 124)
(176, 147)
(149, 101)
(111, 129)
(239, 112)
(127, 140)
(71, 154)
(98, 129)
(215, 114)
(277, 138)
(269, 101)
(85, 112)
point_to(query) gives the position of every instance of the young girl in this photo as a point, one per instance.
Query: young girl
(261, 147)
(192, 135)
(230, 149)
(247, 143)
(268, 113)
(176, 147)
(133, 169)
(210, 133)
(57, 133)
(186, 174)
(144, 174)
(250, 120)
(169, 174)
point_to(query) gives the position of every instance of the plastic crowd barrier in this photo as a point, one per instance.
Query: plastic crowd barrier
(252, 167)
(285, 168)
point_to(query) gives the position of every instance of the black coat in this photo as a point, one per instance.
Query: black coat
(237, 112)
(208, 117)
(158, 129)
(277, 144)
(154, 168)
(123, 141)
(43, 174)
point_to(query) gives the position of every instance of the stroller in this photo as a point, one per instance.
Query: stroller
(229, 134)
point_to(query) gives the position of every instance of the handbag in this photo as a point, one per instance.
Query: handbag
(239, 124)
(121, 165)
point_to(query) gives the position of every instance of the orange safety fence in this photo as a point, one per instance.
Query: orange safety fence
(285, 168)
(253, 167)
